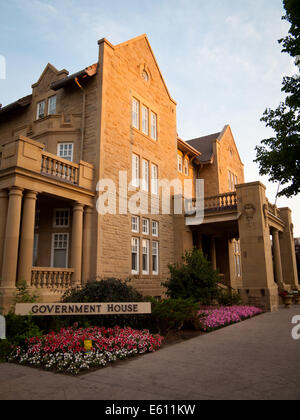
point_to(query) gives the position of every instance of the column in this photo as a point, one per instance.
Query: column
(27, 237)
(277, 258)
(3, 215)
(11, 243)
(76, 248)
(213, 254)
(87, 245)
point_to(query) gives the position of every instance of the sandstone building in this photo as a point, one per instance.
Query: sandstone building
(115, 116)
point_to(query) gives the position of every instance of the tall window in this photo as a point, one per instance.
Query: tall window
(146, 255)
(135, 171)
(145, 176)
(145, 227)
(52, 105)
(154, 179)
(232, 181)
(179, 161)
(66, 151)
(135, 224)
(135, 245)
(145, 120)
(41, 110)
(237, 257)
(154, 228)
(153, 126)
(60, 247)
(155, 246)
(135, 114)
(35, 249)
(186, 167)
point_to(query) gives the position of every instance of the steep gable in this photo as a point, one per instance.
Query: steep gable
(49, 75)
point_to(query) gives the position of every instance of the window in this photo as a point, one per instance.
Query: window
(153, 126)
(146, 254)
(135, 245)
(179, 160)
(232, 181)
(37, 219)
(62, 218)
(65, 151)
(145, 226)
(154, 179)
(35, 250)
(135, 171)
(135, 224)
(60, 247)
(186, 167)
(237, 257)
(155, 246)
(41, 110)
(145, 120)
(52, 105)
(136, 114)
(145, 76)
(154, 228)
(145, 176)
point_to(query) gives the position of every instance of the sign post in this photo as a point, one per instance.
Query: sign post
(2, 328)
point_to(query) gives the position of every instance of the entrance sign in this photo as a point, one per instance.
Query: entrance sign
(65, 309)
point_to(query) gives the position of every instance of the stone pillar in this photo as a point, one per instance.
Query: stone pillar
(277, 259)
(11, 243)
(3, 215)
(259, 288)
(213, 253)
(87, 245)
(288, 253)
(76, 248)
(27, 237)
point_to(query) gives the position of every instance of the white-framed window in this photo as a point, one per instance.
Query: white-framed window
(154, 179)
(135, 171)
(237, 257)
(186, 167)
(153, 126)
(145, 120)
(35, 250)
(135, 255)
(65, 151)
(145, 255)
(61, 218)
(155, 257)
(179, 161)
(52, 105)
(41, 110)
(60, 250)
(145, 226)
(232, 181)
(135, 224)
(155, 231)
(145, 175)
(135, 113)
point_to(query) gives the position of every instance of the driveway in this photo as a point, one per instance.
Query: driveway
(256, 359)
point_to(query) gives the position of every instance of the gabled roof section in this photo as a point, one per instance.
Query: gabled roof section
(53, 70)
(19, 104)
(74, 78)
(205, 146)
(138, 38)
(187, 148)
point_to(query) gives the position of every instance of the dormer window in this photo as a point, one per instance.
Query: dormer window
(41, 110)
(52, 105)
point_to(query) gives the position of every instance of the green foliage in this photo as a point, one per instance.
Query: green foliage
(174, 314)
(229, 298)
(194, 279)
(24, 295)
(107, 290)
(279, 156)
(5, 349)
(21, 328)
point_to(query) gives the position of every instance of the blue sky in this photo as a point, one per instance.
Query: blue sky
(220, 58)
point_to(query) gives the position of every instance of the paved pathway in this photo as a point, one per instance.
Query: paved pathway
(256, 359)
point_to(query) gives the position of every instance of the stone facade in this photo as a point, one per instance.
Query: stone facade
(74, 130)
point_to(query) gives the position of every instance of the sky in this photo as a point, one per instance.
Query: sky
(220, 58)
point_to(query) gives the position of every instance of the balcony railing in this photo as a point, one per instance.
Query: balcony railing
(221, 202)
(51, 278)
(59, 168)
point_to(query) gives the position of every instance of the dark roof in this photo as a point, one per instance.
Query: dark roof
(20, 103)
(205, 146)
(88, 71)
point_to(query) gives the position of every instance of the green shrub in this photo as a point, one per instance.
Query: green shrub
(5, 349)
(174, 314)
(21, 328)
(229, 298)
(107, 290)
(193, 279)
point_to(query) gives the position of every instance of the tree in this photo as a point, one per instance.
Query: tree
(279, 156)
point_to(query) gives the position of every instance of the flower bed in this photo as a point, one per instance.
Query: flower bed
(64, 351)
(215, 318)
